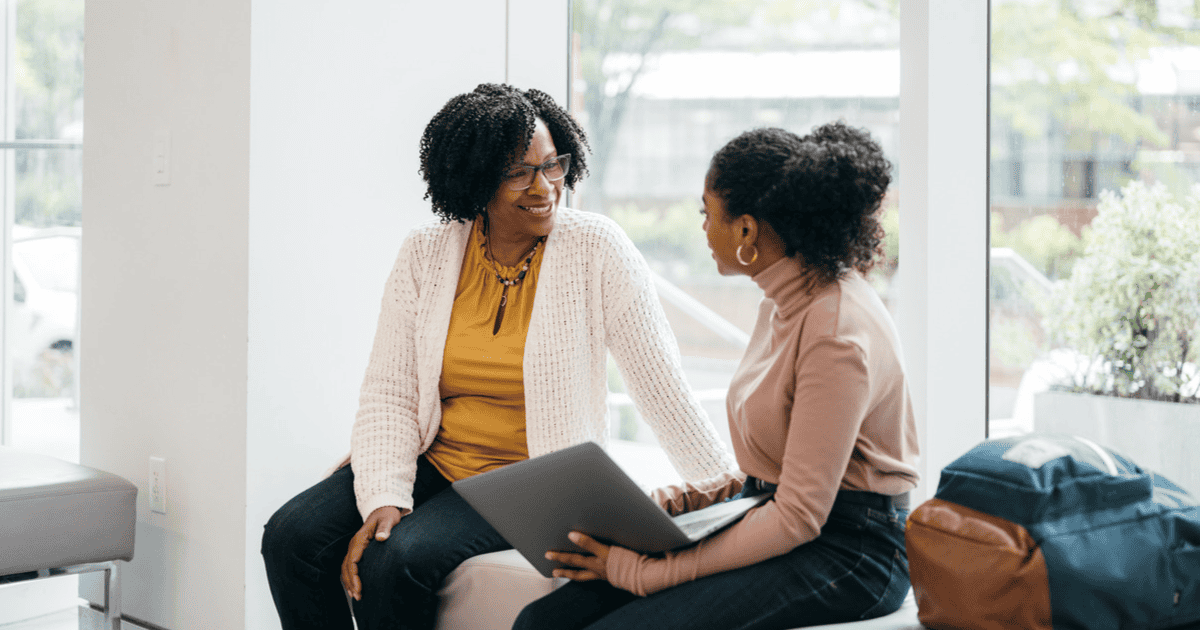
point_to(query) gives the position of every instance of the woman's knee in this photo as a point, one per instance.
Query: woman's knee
(552, 612)
(529, 618)
(314, 520)
(295, 531)
(400, 562)
(282, 533)
(573, 605)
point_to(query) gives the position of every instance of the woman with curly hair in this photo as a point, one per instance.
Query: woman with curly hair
(819, 414)
(491, 348)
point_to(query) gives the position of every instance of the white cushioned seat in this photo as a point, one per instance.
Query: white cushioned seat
(488, 592)
(59, 518)
(55, 514)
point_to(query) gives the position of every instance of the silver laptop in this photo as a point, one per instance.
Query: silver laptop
(535, 503)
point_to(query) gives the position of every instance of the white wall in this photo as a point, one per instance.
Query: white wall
(228, 316)
(163, 339)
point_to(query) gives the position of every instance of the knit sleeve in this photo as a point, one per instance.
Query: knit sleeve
(696, 495)
(385, 440)
(644, 348)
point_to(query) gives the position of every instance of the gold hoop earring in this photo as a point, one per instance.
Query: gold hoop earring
(738, 254)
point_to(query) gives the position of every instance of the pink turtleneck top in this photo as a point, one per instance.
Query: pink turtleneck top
(818, 404)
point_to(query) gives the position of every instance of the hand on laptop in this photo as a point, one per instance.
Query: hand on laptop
(591, 566)
(378, 526)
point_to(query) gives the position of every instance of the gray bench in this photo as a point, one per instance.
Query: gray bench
(59, 518)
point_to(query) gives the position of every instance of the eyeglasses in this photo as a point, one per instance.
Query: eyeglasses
(521, 176)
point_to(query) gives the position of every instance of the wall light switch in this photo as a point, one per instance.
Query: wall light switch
(162, 158)
(158, 485)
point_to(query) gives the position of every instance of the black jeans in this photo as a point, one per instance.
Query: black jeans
(305, 542)
(856, 569)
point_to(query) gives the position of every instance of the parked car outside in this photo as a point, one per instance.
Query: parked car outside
(44, 330)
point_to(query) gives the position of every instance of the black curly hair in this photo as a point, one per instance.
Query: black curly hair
(476, 136)
(821, 192)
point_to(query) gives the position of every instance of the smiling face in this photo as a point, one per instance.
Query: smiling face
(723, 237)
(520, 217)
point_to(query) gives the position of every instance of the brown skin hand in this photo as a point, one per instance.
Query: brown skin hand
(378, 526)
(587, 567)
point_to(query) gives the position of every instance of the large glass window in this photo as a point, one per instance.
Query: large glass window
(40, 186)
(42, 153)
(661, 85)
(1095, 225)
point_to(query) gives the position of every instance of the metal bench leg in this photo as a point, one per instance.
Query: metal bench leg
(112, 597)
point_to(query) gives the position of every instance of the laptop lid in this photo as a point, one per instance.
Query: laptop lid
(535, 503)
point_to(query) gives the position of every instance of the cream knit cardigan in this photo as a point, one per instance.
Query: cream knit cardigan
(594, 296)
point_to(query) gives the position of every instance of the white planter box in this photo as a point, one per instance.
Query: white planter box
(1159, 436)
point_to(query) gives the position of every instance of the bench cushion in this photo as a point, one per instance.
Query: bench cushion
(56, 514)
(489, 591)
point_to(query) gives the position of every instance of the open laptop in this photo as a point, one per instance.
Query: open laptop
(535, 503)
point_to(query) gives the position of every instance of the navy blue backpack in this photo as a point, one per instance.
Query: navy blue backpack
(1055, 531)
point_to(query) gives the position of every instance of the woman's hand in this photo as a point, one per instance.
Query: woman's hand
(378, 526)
(587, 567)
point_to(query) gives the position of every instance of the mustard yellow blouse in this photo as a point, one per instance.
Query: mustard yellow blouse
(482, 386)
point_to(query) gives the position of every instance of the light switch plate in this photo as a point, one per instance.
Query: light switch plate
(158, 485)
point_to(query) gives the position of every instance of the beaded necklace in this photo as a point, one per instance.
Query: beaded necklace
(507, 282)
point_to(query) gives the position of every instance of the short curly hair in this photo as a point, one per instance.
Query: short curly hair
(821, 192)
(471, 142)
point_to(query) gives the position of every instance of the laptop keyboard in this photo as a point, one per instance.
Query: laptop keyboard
(695, 526)
(699, 520)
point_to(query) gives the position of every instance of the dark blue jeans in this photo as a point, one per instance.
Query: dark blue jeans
(856, 569)
(305, 541)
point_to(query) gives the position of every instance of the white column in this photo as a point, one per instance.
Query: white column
(943, 223)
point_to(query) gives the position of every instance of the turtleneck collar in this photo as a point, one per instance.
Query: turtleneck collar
(788, 283)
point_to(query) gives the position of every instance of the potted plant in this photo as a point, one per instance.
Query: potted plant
(1127, 325)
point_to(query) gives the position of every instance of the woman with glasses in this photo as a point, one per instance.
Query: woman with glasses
(491, 348)
(819, 414)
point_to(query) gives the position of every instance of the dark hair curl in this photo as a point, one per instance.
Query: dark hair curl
(821, 192)
(471, 142)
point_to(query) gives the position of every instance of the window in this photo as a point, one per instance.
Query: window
(1093, 309)
(41, 153)
(659, 89)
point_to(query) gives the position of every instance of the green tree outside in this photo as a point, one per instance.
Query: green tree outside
(48, 98)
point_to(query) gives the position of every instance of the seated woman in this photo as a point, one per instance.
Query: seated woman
(819, 413)
(491, 347)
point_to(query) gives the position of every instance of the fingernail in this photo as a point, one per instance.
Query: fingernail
(549, 556)
(573, 537)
